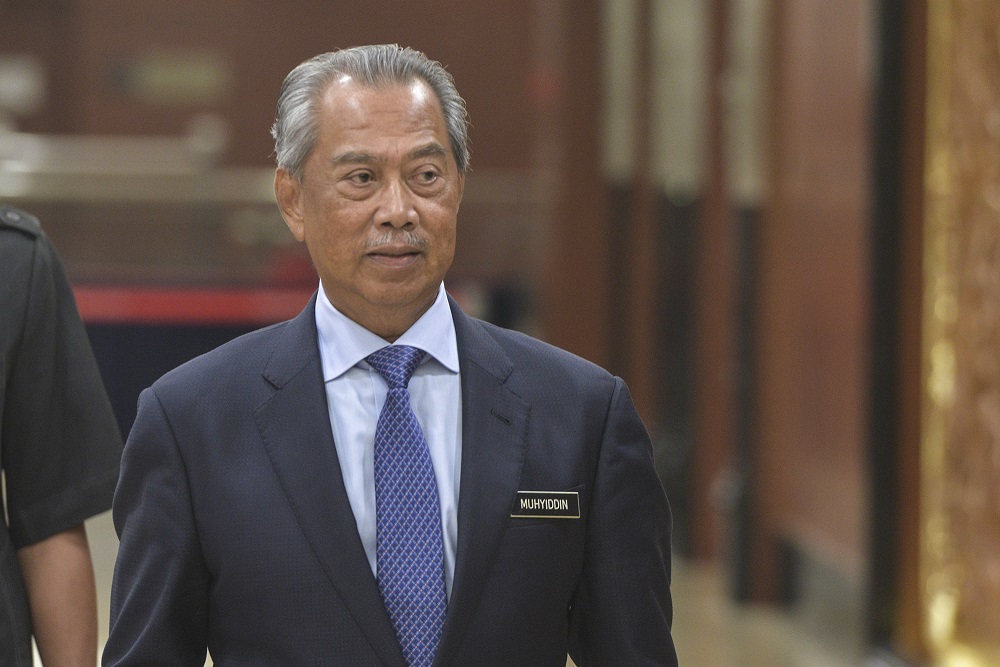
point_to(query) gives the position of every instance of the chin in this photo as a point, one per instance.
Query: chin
(403, 296)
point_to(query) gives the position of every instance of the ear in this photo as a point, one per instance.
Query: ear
(288, 193)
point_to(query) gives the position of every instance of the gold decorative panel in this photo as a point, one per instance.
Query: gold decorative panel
(961, 441)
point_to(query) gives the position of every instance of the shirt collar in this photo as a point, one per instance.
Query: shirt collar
(343, 343)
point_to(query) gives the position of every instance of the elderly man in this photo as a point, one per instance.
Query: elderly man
(384, 480)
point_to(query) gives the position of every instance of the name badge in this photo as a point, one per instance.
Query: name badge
(546, 505)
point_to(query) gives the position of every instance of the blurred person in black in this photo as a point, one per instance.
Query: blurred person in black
(59, 452)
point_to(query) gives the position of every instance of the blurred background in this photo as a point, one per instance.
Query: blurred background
(776, 219)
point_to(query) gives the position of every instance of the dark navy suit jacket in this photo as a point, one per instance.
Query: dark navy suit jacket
(237, 534)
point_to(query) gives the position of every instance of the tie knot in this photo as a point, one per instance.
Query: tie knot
(396, 363)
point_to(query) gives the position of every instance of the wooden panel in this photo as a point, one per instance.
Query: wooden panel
(714, 418)
(486, 51)
(42, 30)
(574, 287)
(810, 481)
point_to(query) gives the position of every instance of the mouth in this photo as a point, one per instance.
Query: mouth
(395, 256)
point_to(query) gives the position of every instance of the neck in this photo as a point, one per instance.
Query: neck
(386, 322)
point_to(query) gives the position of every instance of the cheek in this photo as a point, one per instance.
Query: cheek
(450, 237)
(450, 244)
(443, 227)
(337, 230)
(330, 250)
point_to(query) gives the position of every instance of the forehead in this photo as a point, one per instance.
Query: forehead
(395, 108)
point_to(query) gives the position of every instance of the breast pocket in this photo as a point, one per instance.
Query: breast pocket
(542, 549)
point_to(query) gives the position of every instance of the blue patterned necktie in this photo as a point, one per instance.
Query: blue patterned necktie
(409, 549)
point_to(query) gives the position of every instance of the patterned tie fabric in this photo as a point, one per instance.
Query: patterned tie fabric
(409, 549)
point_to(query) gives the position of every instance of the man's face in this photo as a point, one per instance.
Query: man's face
(377, 205)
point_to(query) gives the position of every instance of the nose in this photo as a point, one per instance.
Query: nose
(396, 207)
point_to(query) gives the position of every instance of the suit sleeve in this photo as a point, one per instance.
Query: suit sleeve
(622, 612)
(159, 596)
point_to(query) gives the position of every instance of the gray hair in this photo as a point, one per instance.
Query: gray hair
(295, 128)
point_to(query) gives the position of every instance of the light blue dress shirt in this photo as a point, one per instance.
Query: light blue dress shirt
(355, 395)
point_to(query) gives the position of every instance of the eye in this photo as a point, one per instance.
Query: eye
(361, 177)
(427, 176)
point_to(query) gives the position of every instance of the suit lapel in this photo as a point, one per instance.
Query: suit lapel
(294, 425)
(494, 423)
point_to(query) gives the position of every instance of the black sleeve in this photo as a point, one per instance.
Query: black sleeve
(60, 442)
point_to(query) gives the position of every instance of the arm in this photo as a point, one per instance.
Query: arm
(623, 611)
(159, 594)
(59, 578)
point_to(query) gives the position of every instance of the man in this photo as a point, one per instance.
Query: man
(59, 453)
(293, 498)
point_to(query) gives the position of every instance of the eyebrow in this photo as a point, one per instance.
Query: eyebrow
(427, 151)
(356, 157)
(352, 157)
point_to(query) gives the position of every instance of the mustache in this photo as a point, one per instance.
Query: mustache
(401, 237)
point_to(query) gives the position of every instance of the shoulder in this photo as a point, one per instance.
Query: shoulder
(20, 238)
(24, 247)
(224, 369)
(538, 366)
(522, 345)
(14, 219)
(34, 289)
